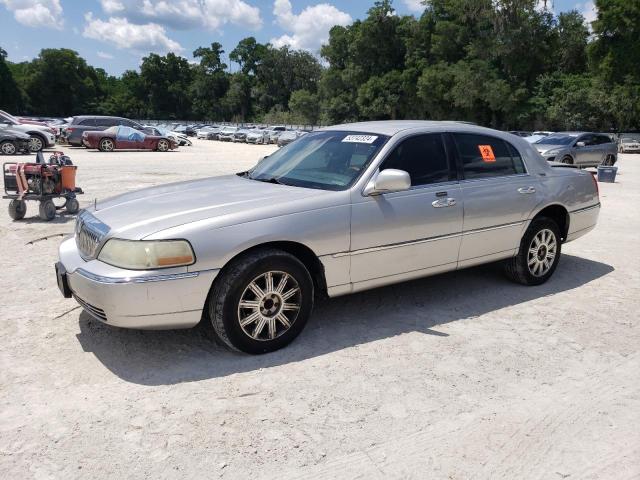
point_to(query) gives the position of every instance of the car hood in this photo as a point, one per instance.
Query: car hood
(546, 147)
(14, 133)
(228, 200)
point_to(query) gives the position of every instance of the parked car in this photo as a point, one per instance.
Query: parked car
(240, 135)
(537, 135)
(79, 124)
(41, 136)
(227, 134)
(287, 137)
(208, 133)
(520, 133)
(257, 136)
(179, 139)
(273, 136)
(341, 210)
(126, 138)
(629, 144)
(583, 149)
(13, 141)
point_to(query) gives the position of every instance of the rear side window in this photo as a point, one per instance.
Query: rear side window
(485, 157)
(88, 122)
(423, 157)
(602, 139)
(106, 122)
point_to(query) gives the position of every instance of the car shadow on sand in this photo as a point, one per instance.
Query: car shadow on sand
(176, 356)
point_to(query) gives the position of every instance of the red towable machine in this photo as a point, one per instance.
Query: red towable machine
(43, 182)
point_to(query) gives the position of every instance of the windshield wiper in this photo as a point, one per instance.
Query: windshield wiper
(269, 180)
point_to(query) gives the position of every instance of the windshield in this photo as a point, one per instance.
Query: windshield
(330, 160)
(557, 140)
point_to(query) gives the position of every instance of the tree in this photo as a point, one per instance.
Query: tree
(210, 82)
(304, 108)
(166, 80)
(11, 98)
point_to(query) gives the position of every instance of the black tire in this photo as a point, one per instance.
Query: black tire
(233, 282)
(567, 159)
(47, 210)
(8, 148)
(17, 209)
(517, 268)
(36, 143)
(106, 145)
(72, 206)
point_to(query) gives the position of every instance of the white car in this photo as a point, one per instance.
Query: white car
(42, 136)
(629, 145)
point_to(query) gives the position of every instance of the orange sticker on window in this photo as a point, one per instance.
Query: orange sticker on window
(487, 153)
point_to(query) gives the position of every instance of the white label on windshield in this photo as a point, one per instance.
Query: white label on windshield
(360, 138)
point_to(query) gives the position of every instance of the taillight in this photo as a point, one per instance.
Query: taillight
(595, 182)
(69, 129)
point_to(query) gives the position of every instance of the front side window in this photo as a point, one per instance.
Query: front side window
(327, 160)
(423, 157)
(484, 157)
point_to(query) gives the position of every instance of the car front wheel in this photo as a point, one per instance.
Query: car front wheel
(261, 301)
(163, 145)
(36, 143)
(538, 255)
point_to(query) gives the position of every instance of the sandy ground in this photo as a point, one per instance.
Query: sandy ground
(456, 377)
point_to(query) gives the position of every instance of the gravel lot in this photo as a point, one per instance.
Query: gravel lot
(458, 376)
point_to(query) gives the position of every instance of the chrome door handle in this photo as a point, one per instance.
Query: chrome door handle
(445, 202)
(526, 190)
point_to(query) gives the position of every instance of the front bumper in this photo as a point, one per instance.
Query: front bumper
(160, 299)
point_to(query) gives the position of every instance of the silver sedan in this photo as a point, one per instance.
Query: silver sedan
(578, 148)
(340, 210)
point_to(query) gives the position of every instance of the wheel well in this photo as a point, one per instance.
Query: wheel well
(303, 253)
(560, 215)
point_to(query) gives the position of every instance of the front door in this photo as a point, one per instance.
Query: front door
(417, 230)
(498, 195)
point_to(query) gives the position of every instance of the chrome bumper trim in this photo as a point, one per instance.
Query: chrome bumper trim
(125, 280)
(580, 210)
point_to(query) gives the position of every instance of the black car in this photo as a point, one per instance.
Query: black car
(12, 142)
(72, 134)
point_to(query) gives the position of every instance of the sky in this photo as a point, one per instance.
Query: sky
(116, 34)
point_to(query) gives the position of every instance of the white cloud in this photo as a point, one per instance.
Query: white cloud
(186, 14)
(414, 5)
(123, 34)
(310, 29)
(588, 11)
(105, 55)
(36, 13)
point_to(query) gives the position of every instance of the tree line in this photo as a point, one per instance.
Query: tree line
(501, 63)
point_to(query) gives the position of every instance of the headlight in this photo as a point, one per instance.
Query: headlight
(144, 255)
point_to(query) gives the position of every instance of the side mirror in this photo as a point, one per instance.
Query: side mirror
(389, 180)
(580, 144)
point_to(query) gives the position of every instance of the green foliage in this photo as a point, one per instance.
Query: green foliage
(502, 63)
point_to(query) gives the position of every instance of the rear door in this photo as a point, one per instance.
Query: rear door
(498, 194)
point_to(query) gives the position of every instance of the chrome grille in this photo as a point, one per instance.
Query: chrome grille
(89, 234)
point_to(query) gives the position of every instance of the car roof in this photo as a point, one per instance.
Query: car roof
(393, 127)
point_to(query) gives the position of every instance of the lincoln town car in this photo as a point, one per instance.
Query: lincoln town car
(340, 210)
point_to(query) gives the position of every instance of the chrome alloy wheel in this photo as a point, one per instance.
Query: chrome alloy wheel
(269, 305)
(542, 252)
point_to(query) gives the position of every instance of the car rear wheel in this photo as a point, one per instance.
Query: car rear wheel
(163, 145)
(106, 145)
(7, 148)
(36, 143)
(538, 255)
(17, 209)
(261, 302)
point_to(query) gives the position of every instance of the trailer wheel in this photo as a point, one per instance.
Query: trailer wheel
(72, 206)
(17, 209)
(47, 210)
